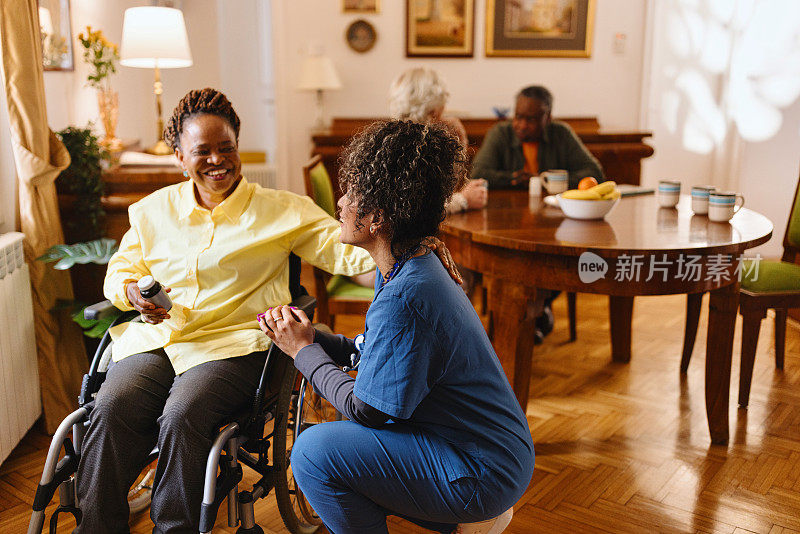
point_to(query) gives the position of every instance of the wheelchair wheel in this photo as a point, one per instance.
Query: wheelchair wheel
(304, 408)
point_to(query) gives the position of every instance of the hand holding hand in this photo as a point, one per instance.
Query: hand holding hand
(289, 328)
(476, 194)
(439, 248)
(150, 312)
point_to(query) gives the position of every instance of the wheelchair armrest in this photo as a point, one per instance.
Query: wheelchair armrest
(98, 311)
(307, 303)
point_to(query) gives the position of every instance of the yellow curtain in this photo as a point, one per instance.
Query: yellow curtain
(39, 158)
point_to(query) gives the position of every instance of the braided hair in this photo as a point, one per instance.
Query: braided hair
(405, 171)
(198, 101)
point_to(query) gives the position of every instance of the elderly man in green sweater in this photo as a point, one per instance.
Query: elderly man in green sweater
(531, 143)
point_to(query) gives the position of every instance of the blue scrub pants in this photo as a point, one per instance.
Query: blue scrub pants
(354, 476)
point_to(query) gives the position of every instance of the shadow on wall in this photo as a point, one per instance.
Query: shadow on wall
(734, 64)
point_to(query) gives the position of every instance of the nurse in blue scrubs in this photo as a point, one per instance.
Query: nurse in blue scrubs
(435, 433)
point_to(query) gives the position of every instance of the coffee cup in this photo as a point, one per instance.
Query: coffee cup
(556, 181)
(669, 193)
(722, 205)
(700, 195)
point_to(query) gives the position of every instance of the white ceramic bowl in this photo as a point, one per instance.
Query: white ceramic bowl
(585, 209)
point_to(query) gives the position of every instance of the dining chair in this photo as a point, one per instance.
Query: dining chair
(336, 294)
(772, 285)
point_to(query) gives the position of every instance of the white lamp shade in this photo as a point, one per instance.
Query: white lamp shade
(154, 37)
(319, 73)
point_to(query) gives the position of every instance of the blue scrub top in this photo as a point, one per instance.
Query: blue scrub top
(427, 361)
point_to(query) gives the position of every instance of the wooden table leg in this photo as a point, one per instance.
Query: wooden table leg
(513, 315)
(721, 323)
(620, 310)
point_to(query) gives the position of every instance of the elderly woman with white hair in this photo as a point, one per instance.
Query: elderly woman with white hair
(420, 95)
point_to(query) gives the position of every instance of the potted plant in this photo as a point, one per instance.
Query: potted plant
(80, 191)
(81, 184)
(102, 56)
(97, 252)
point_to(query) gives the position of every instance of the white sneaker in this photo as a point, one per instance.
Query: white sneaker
(490, 526)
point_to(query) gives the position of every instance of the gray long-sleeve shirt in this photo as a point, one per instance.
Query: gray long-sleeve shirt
(321, 364)
(501, 155)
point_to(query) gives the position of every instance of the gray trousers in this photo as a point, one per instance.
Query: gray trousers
(142, 403)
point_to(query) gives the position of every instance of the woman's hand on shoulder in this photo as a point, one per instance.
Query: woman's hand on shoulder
(150, 312)
(287, 327)
(439, 248)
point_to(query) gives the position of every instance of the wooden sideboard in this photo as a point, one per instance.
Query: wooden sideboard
(620, 153)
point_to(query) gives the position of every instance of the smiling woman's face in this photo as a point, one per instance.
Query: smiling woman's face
(209, 154)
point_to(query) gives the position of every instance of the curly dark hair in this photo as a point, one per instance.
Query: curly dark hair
(197, 101)
(405, 171)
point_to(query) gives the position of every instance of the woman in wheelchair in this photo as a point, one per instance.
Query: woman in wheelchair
(221, 244)
(435, 434)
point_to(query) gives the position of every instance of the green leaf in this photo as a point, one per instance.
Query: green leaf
(98, 251)
(95, 328)
(101, 327)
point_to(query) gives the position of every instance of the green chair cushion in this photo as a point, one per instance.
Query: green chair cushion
(771, 276)
(342, 287)
(323, 190)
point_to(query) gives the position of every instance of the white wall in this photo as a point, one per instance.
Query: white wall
(768, 177)
(228, 41)
(702, 58)
(607, 85)
(245, 52)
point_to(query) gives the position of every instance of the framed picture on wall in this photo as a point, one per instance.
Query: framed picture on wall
(361, 6)
(361, 36)
(546, 28)
(54, 28)
(440, 28)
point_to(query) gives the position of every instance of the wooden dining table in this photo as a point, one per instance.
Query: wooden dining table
(523, 246)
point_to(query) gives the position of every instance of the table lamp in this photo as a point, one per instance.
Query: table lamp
(318, 74)
(155, 38)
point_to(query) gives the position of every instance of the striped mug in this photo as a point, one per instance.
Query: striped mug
(722, 205)
(669, 192)
(700, 194)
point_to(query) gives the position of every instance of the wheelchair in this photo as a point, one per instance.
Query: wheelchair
(261, 438)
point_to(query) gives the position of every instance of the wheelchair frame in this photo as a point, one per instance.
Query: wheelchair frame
(241, 441)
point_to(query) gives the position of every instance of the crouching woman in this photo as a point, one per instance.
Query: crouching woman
(435, 433)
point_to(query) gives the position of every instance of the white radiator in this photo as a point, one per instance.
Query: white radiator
(260, 173)
(20, 402)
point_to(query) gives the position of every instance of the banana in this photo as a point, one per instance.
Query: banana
(613, 195)
(577, 194)
(604, 188)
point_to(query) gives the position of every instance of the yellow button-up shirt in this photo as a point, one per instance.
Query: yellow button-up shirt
(224, 266)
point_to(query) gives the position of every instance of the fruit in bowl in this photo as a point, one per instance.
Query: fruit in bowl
(592, 203)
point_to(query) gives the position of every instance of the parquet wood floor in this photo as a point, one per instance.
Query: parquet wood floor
(619, 448)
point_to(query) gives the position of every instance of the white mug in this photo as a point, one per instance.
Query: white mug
(556, 181)
(700, 195)
(669, 192)
(535, 186)
(722, 205)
